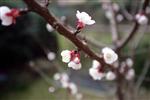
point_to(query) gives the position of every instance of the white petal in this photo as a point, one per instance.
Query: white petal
(6, 20)
(129, 62)
(78, 14)
(51, 56)
(65, 52)
(122, 67)
(115, 57)
(79, 96)
(130, 74)
(66, 56)
(109, 55)
(95, 74)
(64, 77)
(143, 20)
(74, 65)
(116, 7)
(57, 76)
(64, 84)
(49, 28)
(73, 88)
(110, 75)
(90, 22)
(95, 64)
(86, 16)
(137, 16)
(76, 60)
(106, 49)
(119, 17)
(51, 89)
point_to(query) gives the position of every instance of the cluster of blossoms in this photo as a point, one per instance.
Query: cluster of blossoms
(97, 73)
(83, 19)
(8, 16)
(67, 84)
(127, 70)
(72, 58)
(141, 18)
(109, 8)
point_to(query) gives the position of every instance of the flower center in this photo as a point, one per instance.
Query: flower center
(108, 56)
(14, 13)
(80, 25)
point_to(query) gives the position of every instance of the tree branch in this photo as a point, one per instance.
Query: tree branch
(113, 26)
(132, 33)
(124, 41)
(142, 76)
(42, 11)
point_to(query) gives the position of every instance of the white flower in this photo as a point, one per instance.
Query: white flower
(115, 7)
(105, 6)
(94, 71)
(137, 16)
(110, 75)
(64, 80)
(66, 56)
(122, 67)
(6, 20)
(79, 96)
(129, 62)
(109, 14)
(109, 55)
(84, 18)
(130, 74)
(64, 77)
(51, 56)
(72, 58)
(141, 19)
(49, 28)
(73, 88)
(57, 76)
(95, 74)
(74, 65)
(51, 89)
(95, 64)
(119, 18)
(64, 84)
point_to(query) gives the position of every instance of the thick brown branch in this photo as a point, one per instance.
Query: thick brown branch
(61, 29)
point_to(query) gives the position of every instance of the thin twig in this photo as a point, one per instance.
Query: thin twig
(125, 40)
(142, 76)
(113, 26)
(89, 40)
(122, 43)
(127, 15)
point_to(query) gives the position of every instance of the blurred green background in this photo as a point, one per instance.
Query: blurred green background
(24, 42)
